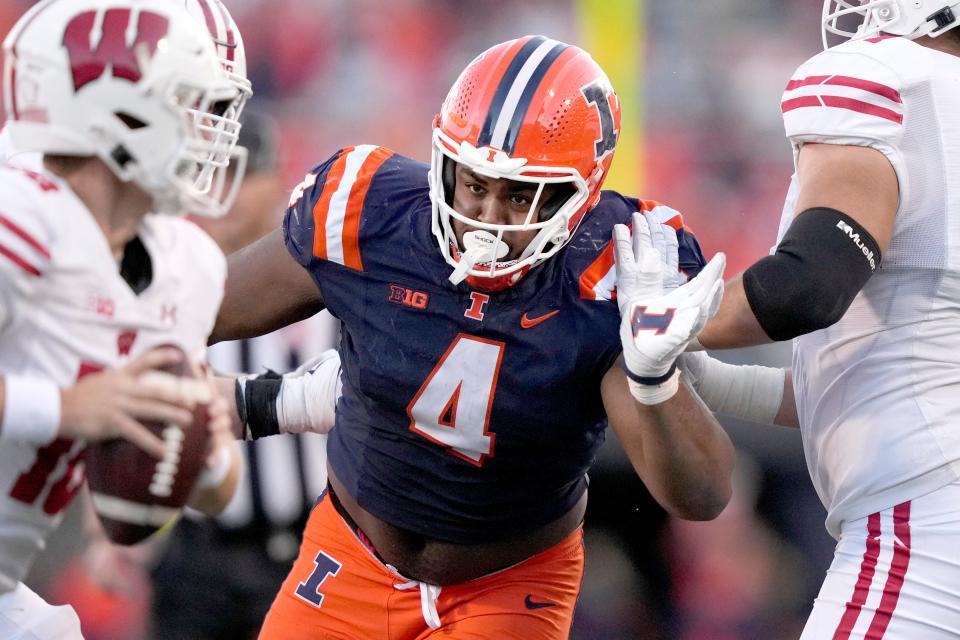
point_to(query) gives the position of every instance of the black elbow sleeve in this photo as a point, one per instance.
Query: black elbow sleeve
(824, 260)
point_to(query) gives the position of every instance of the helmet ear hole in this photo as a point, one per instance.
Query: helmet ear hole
(449, 178)
(561, 193)
(131, 122)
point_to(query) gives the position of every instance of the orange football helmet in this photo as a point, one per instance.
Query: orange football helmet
(531, 110)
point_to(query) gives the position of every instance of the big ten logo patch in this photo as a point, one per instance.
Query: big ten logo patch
(101, 305)
(408, 297)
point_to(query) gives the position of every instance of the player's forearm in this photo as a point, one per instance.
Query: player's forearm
(266, 289)
(676, 447)
(735, 324)
(687, 457)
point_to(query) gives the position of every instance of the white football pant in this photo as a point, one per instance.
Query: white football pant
(26, 616)
(895, 575)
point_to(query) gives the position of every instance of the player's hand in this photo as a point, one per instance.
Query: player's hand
(664, 239)
(640, 267)
(217, 482)
(656, 330)
(220, 426)
(642, 273)
(113, 404)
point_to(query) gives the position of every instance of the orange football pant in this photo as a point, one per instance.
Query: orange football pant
(339, 589)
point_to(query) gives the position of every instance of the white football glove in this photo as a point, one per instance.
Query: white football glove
(664, 240)
(640, 266)
(308, 395)
(655, 327)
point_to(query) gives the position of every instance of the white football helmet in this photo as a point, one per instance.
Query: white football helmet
(138, 84)
(228, 42)
(908, 18)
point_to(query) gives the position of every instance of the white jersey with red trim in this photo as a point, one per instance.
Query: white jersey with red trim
(9, 154)
(65, 311)
(878, 393)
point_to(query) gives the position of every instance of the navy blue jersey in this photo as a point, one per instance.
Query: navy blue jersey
(465, 416)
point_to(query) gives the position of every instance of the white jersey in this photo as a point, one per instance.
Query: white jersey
(878, 393)
(65, 311)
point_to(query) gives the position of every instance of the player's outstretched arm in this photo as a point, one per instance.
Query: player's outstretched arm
(101, 406)
(304, 400)
(844, 221)
(750, 392)
(673, 441)
(266, 290)
(676, 447)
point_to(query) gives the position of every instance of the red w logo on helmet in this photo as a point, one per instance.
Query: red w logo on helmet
(89, 60)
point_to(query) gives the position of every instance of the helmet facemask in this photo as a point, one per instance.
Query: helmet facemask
(484, 246)
(210, 168)
(875, 17)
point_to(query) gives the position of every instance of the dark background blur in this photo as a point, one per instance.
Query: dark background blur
(700, 84)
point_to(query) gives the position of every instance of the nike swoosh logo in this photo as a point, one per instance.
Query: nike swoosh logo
(532, 604)
(529, 323)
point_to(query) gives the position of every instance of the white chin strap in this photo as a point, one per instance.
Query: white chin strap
(479, 246)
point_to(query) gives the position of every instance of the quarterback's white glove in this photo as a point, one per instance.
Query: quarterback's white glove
(656, 328)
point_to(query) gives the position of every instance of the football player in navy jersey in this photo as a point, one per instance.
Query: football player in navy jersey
(478, 379)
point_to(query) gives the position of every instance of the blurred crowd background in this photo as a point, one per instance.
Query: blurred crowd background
(705, 136)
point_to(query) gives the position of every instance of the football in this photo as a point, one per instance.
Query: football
(133, 493)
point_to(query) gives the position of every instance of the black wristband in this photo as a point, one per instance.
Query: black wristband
(824, 260)
(651, 381)
(260, 403)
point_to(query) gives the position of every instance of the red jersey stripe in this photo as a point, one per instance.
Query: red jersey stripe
(847, 81)
(322, 205)
(23, 235)
(802, 101)
(841, 103)
(862, 107)
(896, 575)
(805, 82)
(358, 194)
(20, 262)
(860, 591)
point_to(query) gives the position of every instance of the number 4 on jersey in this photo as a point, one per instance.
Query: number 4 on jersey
(452, 408)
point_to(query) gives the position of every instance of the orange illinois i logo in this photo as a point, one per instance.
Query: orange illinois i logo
(477, 303)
